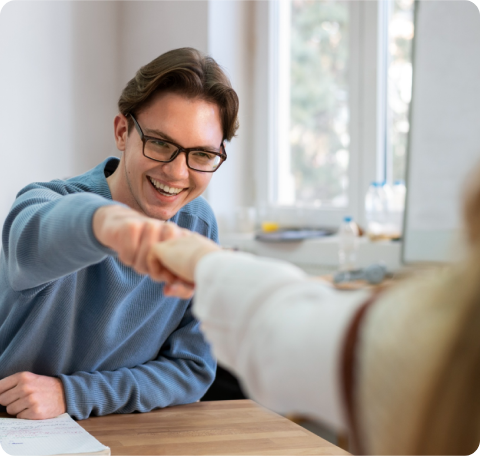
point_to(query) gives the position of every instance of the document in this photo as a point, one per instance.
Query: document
(56, 436)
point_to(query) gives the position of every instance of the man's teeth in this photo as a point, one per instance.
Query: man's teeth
(165, 188)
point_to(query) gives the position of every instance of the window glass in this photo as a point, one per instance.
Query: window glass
(318, 135)
(400, 33)
(312, 153)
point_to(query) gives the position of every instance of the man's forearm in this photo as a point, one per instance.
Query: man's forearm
(48, 239)
(155, 384)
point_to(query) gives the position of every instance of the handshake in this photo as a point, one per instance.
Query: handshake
(164, 251)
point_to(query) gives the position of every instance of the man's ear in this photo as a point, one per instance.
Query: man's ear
(120, 129)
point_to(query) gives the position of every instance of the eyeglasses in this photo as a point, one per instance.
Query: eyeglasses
(164, 151)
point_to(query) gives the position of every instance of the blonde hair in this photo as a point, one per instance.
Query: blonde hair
(451, 413)
(419, 359)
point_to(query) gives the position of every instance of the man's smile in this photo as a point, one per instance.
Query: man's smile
(164, 189)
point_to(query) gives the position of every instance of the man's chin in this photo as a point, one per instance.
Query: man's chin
(165, 210)
(162, 213)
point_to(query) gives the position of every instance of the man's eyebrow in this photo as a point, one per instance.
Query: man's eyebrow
(162, 135)
(159, 133)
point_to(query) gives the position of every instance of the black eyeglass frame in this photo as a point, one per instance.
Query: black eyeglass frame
(145, 138)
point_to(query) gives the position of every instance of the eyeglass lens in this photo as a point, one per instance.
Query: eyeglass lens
(196, 159)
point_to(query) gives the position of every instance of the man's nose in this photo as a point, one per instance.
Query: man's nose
(177, 169)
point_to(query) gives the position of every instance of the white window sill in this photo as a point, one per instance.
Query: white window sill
(317, 256)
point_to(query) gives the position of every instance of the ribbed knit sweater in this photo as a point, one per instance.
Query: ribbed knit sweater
(69, 308)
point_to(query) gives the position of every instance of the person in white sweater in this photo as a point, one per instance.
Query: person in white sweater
(398, 370)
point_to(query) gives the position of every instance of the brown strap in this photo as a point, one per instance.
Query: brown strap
(348, 371)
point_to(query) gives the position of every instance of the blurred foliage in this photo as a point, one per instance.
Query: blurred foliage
(400, 83)
(319, 135)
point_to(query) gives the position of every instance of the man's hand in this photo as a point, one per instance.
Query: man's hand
(130, 234)
(32, 397)
(179, 256)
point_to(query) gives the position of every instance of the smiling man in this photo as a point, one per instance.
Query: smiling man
(82, 329)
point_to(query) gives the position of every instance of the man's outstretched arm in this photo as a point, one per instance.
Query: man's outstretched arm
(48, 235)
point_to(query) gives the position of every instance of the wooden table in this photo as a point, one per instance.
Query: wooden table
(224, 427)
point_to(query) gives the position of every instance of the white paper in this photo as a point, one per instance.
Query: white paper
(61, 435)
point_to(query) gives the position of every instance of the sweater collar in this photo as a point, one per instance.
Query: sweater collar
(99, 179)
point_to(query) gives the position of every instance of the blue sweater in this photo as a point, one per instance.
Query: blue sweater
(69, 308)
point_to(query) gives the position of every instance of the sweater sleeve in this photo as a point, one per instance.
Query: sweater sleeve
(48, 235)
(278, 330)
(181, 374)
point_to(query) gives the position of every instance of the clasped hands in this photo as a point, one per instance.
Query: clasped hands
(162, 250)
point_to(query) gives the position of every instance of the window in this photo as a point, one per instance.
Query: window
(340, 87)
(313, 167)
(398, 74)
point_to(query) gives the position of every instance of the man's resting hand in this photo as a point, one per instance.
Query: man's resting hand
(33, 397)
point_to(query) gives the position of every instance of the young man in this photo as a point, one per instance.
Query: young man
(82, 330)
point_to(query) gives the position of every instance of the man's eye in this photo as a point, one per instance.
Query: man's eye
(159, 144)
(203, 155)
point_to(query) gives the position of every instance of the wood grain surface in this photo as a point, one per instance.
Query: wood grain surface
(223, 427)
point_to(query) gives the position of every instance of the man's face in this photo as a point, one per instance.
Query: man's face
(159, 190)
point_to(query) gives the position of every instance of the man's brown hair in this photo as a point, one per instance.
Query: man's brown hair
(187, 72)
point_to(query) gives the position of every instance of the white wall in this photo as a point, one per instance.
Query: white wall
(32, 96)
(95, 84)
(232, 44)
(147, 29)
(58, 89)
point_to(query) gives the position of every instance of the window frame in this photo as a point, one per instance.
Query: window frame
(366, 160)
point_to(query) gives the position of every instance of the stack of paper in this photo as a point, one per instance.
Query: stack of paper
(57, 436)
